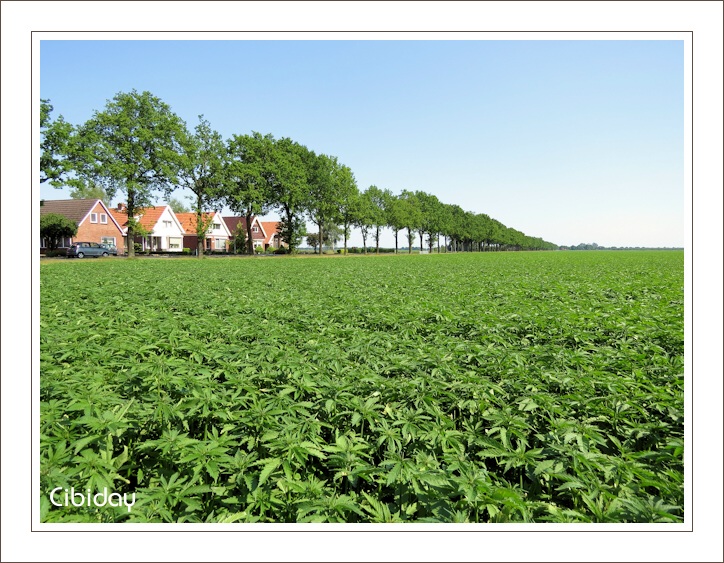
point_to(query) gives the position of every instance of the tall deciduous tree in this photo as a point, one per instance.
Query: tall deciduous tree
(132, 146)
(203, 171)
(55, 147)
(323, 204)
(394, 212)
(348, 199)
(289, 189)
(377, 212)
(411, 215)
(363, 217)
(250, 178)
(430, 217)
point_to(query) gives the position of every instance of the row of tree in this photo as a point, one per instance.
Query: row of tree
(136, 147)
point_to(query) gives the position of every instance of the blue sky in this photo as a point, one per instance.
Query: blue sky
(571, 141)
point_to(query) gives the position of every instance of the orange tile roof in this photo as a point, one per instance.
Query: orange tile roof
(188, 221)
(270, 228)
(120, 217)
(149, 216)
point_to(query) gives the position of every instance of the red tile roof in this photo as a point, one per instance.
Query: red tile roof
(234, 223)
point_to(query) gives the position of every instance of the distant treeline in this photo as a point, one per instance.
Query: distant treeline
(136, 146)
(594, 246)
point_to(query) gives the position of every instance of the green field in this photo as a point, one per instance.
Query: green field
(486, 387)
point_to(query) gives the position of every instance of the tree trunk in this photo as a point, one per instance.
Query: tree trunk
(364, 242)
(131, 231)
(321, 237)
(377, 240)
(249, 238)
(200, 236)
(396, 232)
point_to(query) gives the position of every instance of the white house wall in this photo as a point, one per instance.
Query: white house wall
(165, 232)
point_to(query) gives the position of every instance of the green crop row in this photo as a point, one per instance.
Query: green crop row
(501, 387)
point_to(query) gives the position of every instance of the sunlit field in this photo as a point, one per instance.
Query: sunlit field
(471, 387)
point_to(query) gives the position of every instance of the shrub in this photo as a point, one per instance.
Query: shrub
(258, 249)
(280, 250)
(186, 251)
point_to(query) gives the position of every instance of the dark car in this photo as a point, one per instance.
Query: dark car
(82, 249)
(111, 248)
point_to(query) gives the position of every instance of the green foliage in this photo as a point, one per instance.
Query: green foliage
(250, 178)
(132, 146)
(490, 387)
(290, 189)
(54, 227)
(177, 206)
(56, 147)
(90, 191)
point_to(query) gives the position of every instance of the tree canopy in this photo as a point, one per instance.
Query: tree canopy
(54, 227)
(137, 146)
(133, 146)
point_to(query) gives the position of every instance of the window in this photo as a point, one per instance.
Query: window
(167, 224)
(94, 217)
(104, 219)
(174, 242)
(108, 240)
(216, 226)
(255, 229)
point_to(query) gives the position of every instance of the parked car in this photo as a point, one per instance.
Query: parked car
(111, 249)
(82, 249)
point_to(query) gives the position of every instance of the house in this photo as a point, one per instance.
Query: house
(263, 233)
(95, 221)
(237, 229)
(217, 235)
(164, 230)
(273, 236)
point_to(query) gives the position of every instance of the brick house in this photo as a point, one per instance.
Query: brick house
(273, 239)
(95, 222)
(217, 235)
(263, 233)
